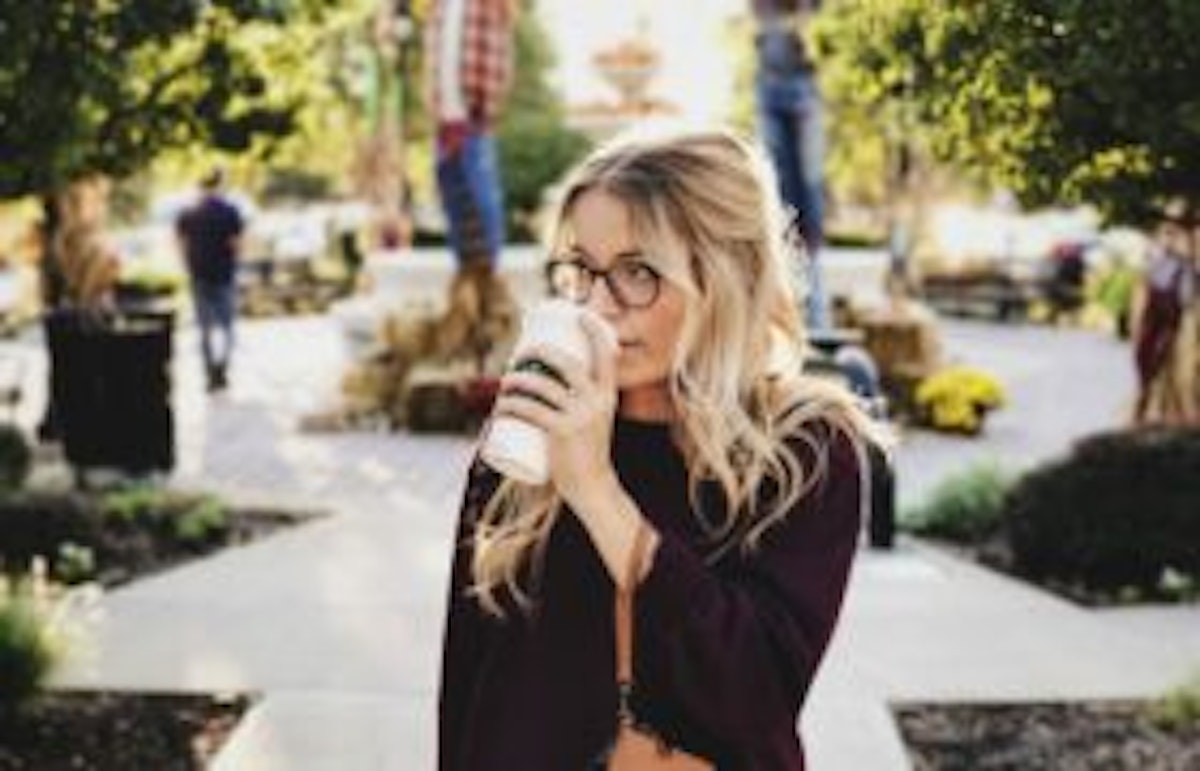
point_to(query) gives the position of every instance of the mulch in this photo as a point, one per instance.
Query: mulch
(107, 731)
(1083, 736)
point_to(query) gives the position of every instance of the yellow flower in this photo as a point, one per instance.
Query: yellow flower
(957, 398)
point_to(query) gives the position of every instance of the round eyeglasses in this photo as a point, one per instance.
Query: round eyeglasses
(632, 283)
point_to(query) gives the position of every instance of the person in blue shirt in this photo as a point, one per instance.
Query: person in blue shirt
(210, 234)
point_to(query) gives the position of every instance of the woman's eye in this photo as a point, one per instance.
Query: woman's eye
(638, 272)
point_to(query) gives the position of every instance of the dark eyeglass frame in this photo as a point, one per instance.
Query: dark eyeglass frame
(592, 274)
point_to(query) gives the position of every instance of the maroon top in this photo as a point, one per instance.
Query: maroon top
(725, 653)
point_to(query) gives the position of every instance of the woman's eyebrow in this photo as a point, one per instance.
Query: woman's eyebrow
(627, 254)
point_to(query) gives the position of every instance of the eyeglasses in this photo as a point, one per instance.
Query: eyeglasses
(632, 283)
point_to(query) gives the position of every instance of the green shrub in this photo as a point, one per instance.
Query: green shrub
(187, 517)
(1178, 709)
(1120, 513)
(855, 239)
(74, 563)
(27, 653)
(965, 507)
(133, 503)
(206, 518)
(535, 152)
(16, 458)
(37, 524)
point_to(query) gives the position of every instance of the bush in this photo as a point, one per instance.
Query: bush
(16, 458)
(1179, 708)
(27, 652)
(189, 518)
(1120, 513)
(535, 152)
(965, 507)
(36, 524)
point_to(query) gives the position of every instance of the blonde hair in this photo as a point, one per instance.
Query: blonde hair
(735, 380)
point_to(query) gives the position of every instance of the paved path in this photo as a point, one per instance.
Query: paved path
(338, 622)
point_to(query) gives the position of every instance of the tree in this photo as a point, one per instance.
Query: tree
(100, 89)
(1062, 102)
(535, 145)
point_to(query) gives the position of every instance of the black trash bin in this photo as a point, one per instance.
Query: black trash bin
(111, 383)
(881, 528)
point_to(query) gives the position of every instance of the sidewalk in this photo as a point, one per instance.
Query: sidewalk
(338, 623)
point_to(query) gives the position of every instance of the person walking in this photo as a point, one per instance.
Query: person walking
(680, 576)
(210, 234)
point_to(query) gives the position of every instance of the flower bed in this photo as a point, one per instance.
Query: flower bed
(110, 539)
(104, 731)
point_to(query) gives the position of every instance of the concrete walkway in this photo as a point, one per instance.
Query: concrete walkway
(337, 623)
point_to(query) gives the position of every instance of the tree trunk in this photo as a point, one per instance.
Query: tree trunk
(77, 270)
(48, 268)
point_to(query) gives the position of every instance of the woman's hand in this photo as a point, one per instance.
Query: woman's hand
(576, 414)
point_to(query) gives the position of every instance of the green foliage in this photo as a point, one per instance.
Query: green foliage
(133, 503)
(191, 519)
(201, 521)
(16, 457)
(859, 47)
(534, 59)
(1122, 511)
(1076, 100)
(855, 240)
(965, 507)
(535, 145)
(535, 152)
(27, 653)
(75, 564)
(296, 184)
(34, 524)
(104, 88)
(1178, 709)
(1113, 288)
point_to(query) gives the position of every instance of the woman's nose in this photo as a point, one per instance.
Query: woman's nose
(602, 301)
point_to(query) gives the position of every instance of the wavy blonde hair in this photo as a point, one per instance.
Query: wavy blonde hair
(708, 198)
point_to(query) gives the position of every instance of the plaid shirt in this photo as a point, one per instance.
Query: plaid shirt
(486, 61)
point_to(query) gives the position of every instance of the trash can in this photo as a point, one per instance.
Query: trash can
(111, 384)
(881, 529)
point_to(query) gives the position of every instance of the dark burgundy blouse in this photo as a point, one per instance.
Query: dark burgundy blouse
(725, 653)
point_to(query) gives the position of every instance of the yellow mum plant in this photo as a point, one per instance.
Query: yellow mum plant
(958, 398)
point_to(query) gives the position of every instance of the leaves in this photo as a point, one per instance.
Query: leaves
(1066, 101)
(106, 87)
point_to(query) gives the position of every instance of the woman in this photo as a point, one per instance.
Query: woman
(696, 439)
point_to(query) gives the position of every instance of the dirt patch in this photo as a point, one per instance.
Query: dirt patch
(104, 731)
(1086, 736)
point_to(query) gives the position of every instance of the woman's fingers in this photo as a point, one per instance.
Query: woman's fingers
(531, 410)
(534, 385)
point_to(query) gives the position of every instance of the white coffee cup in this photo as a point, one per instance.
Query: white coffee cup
(514, 447)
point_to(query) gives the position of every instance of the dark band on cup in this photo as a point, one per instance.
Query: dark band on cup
(540, 367)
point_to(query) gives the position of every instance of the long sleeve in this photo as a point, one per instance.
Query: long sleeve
(736, 649)
(463, 641)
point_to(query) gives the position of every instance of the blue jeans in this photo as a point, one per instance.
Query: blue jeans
(216, 308)
(469, 182)
(791, 120)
